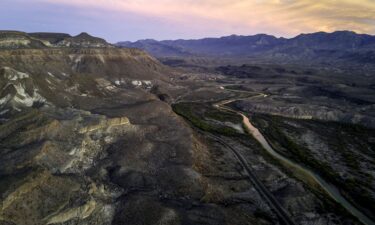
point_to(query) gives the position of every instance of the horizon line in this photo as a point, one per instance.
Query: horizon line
(191, 39)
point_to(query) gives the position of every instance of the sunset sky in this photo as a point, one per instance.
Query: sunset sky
(118, 20)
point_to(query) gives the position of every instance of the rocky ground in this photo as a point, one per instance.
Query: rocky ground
(298, 92)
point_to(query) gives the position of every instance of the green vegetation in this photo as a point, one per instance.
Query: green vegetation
(294, 151)
(215, 114)
(236, 87)
(196, 114)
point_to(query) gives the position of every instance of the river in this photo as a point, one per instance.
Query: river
(329, 188)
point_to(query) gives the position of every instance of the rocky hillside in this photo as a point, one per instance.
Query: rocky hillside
(62, 77)
(16, 39)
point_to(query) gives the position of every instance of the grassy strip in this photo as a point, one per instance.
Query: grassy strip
(189, 111)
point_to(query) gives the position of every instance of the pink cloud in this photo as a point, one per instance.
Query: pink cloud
(282, 17)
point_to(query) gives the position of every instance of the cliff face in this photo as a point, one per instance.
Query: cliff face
(114, 62)
(16, 39)
(67, 77)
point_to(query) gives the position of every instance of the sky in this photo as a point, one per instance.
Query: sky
(130, 20)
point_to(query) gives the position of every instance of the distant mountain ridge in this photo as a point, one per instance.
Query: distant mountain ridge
(18, 39)
(228, 45)
(322, 46)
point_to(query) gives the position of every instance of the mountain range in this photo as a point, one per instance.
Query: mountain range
(339, 46)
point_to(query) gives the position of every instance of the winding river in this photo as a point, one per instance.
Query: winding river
(329, 188)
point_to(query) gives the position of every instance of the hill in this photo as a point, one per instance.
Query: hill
(17, 39)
